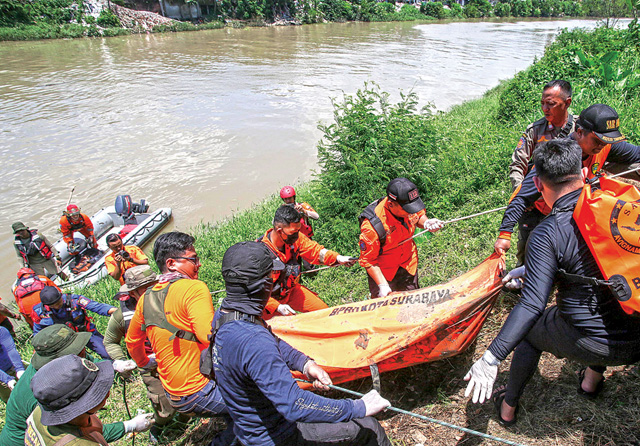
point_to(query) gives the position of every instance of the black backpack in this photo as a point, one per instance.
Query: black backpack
(369, 213)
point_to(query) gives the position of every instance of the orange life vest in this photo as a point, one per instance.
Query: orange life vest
(27, 285)
(609, 221)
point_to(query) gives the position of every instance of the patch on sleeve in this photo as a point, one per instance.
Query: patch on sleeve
(520, 143)
(83, 301)
(363, 245)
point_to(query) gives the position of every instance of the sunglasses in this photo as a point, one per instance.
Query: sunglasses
(195, 260)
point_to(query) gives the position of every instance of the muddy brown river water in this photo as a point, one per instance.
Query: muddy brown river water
(209, 122)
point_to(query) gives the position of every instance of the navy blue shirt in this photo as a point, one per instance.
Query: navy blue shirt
(72, 312)
(252, 369)
(621, 152)
(9, 356)
(556, 243)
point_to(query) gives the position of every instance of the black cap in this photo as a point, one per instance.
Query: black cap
(603, 121)
(247, 262)
(70, 386)
(50, 295)
(406, 194)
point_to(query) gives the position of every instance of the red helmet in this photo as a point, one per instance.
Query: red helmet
(72, 209)
(287, 192)
(25, 272)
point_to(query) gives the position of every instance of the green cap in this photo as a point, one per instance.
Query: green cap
(19, 226)
(56, 341)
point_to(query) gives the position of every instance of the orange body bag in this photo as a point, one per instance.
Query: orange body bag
(609, 220)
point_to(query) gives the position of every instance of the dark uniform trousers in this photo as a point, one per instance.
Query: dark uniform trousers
(361, 431)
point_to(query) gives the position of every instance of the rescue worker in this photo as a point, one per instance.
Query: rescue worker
(35, 251)
(70, 392)
(137, 280)
(252, 367)
(51, 343)
(288, 195)
(556, 123)
(70, 310)
(290, 246)
(11, 367)
(4, 322)
(586, 325)
(176, 315)
(597, 132)
(72, 221)
(122, 257)
(392, 265)
(27, 290)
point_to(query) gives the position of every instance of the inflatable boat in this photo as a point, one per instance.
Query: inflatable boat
(132, 221)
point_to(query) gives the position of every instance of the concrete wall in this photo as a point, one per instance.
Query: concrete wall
(177, 9)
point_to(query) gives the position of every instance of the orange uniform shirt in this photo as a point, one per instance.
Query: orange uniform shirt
(393, 255)
(189, 307)
(111, 264)
(67, 232)
(311, 251)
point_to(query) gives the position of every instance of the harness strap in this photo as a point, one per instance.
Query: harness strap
(577, 278)
(369, 213)
(153, 314)
(567, 128)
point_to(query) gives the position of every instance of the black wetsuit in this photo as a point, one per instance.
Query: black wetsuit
(621, 152)
(586, 325)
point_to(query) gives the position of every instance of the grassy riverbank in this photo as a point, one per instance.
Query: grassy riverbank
(459, 160)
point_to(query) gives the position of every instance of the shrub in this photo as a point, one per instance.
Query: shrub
(472, 12)
(433, 9)
(336, 10)
(107, 19)
(502, 9)
(455, 11)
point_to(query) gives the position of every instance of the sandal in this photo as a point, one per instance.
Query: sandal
(498, 398)
(589, 395)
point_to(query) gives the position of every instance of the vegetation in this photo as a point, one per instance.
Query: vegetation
(51, 19)
(459, 160)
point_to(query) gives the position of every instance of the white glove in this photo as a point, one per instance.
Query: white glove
(19, 373)
(514, 280)
(481, 377)
(152, 364)
(346, 260)
(433, 225)
(374, 403)
(11, 384)
(121, 366)
(286, 310)
(383, 290)
(139, 423)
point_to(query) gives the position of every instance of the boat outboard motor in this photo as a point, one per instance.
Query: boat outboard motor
(125, 207)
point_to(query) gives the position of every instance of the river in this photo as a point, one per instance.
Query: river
(209, 122)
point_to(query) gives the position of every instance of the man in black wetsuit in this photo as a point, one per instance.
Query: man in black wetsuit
(586, 325)
(597, 133)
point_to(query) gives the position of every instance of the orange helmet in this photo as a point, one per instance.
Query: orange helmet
(25, 272)
(287, 192)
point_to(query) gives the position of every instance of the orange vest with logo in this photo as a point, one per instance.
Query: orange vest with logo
(609, 221)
